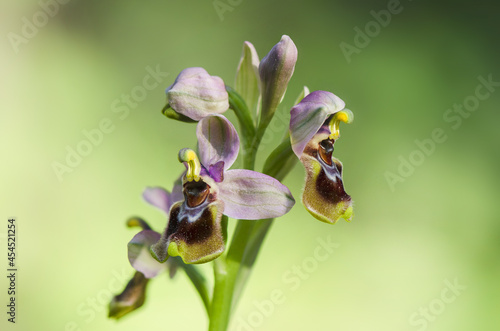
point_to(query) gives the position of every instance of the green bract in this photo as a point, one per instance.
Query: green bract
(247, 77)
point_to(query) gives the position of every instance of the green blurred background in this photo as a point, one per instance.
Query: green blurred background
(438, 224)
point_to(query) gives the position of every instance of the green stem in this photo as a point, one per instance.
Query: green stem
(254, 146)
(219, 313)
(232, 272)
(226, 272)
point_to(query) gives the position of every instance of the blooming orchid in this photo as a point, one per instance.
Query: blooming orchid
(194, 231)
(209, 192)
(314, 128)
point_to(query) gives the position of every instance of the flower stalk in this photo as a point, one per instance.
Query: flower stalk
(208, 193)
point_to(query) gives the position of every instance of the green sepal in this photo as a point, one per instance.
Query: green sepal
(303, 93)
(247, 77)
(170, 113)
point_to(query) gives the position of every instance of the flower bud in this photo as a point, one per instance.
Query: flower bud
(275, 70)
(196, 94)
(131, 298)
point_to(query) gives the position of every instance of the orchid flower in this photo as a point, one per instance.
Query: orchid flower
(209, 192)
(194, 230)
(195, 94)
(138, 248)
(314, 128)
(134, 294)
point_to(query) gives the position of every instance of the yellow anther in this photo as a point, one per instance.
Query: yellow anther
(342, 117)
(345, 116)
(194, 167)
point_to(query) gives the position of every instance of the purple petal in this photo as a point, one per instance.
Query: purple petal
(196, 94)
(158, 197)
(139, 255)
(308, 116)
(251, 195)
(216, 171)
(161, 198)
(217, 141)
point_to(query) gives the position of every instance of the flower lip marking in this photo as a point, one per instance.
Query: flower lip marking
(196, 193)
(325, 150)
(191, 232)
(314, 129)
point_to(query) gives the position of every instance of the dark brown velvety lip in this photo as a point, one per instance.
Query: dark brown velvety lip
(191, 232)
(332, 192)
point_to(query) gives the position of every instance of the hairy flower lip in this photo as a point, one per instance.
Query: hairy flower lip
(193, 233)
(324, 195)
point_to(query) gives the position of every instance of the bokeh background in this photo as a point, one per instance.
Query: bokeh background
(436, 225)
